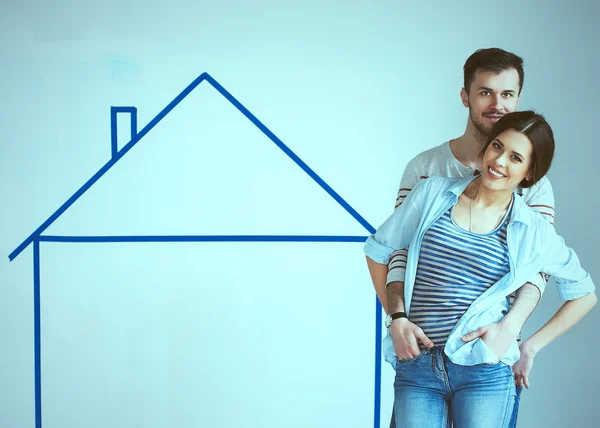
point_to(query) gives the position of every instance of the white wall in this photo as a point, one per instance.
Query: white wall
(353, 88)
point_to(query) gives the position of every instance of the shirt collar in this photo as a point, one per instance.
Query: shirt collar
(521, 212)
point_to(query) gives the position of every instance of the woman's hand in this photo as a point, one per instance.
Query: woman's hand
(406, 337)
(498, 337)
(522, 368)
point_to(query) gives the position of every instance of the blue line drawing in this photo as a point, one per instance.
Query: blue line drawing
(378, 339)
(205, 238)
(36, 237)
(113, 125)
(37, 344)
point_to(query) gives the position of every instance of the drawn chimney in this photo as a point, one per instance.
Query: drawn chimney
(114, 129)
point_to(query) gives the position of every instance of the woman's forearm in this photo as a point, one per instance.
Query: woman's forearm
(527, 299)
(566, 317)
(378, 273)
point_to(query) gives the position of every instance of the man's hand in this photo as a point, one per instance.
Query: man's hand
(522, 368)
(405, 336)
(498, 337)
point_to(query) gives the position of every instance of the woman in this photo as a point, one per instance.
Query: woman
(472, 242)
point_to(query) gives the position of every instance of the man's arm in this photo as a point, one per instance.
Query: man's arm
(395, 296)
(405, 334)
(569, 314)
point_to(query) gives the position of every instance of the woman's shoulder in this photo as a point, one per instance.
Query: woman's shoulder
(535, 223)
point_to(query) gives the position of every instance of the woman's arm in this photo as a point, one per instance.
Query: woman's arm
(574, 285)
(378, 274)
(499, 336)
(569, 314)
(399, 228)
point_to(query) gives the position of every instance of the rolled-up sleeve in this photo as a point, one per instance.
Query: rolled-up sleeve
(562, 263)
(377, 252)
(575, 290)
(398, 230)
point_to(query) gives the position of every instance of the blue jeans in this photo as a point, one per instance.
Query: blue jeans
(513, 417)
(431, 391)
(515, 412)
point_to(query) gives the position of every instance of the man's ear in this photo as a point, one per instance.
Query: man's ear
(464, 97)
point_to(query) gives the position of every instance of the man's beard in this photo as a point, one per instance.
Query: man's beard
(479, 125)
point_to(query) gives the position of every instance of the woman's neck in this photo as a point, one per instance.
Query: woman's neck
(487, 198)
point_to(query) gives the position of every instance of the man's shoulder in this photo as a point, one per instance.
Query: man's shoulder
(542, 188)
(440, 153)
(432, 161)
(540, 198)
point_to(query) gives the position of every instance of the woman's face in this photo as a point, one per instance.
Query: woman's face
(507, 161)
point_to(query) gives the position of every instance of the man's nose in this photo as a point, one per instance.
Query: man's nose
(496, 102)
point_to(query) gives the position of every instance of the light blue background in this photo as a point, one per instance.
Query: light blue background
(260, 334)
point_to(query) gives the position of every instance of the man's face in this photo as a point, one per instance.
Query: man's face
(491, 96)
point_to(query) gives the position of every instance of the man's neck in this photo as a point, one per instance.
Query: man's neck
(466, 148)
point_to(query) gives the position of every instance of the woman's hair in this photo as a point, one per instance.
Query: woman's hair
(534, 127)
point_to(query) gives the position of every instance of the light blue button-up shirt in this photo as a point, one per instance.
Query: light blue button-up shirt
(533, 246)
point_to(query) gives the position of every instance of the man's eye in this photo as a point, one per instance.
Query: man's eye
(485, 93)
(507, 95)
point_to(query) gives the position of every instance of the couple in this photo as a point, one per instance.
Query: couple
(480, 247)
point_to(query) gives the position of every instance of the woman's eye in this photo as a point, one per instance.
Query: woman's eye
(496, 145)
(516, 159)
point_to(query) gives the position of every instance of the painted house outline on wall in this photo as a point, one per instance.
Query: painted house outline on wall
(37, 236)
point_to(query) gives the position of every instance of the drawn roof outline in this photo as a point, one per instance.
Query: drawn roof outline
(137, 136)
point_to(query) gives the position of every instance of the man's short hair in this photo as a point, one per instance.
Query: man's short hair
(492, 59)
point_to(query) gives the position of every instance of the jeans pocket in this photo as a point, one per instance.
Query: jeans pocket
(499, 368)
(499, 364)
(490, 351)
(410, 360)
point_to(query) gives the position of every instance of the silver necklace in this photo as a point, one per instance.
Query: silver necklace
(471, 210)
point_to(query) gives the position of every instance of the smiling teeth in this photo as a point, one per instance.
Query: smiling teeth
(494, 173)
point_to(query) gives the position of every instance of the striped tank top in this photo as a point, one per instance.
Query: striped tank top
(455, 267)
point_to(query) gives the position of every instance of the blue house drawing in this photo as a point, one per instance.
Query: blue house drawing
(39, 235)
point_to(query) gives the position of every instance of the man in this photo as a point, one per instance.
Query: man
(493, 80)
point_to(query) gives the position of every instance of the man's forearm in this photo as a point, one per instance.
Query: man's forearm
(395, 297)
(527, 299)
(566, 317)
